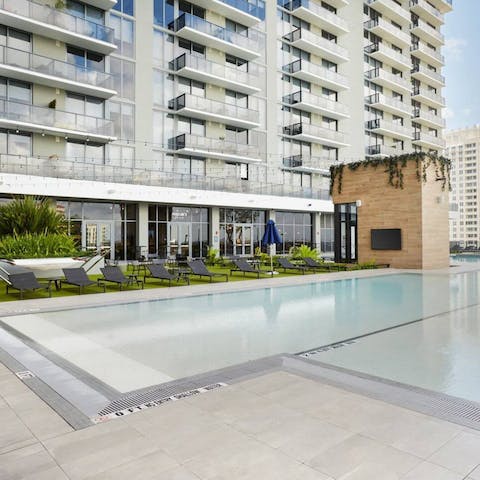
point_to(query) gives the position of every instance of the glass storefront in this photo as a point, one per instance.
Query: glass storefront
(177, 231)
(110, 228)
(295, 229)
(241, 231)
(326, 233)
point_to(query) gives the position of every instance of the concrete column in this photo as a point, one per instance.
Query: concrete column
(271, 216)
(142, 228)
(316, 230)
(215, 227)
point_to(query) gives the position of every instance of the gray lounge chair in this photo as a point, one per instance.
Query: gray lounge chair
(115, 275)
(159, 271)
(241, 265)
(287, 265)
(314, 265)
(79, 278)
(25, 282)
(199, 269)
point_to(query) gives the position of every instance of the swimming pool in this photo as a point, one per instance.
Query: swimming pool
(136, 345)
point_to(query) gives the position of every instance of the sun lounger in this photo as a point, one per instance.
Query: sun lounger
(79, 278)
(115, 275)
(241, 265)
(24, 282)
(287, 265)
(199, 269)
(159, 272)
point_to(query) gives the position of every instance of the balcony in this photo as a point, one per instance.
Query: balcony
(213, 111)
(389, 104)
(103, 4)
(427, 11)
(30, 118)
(308, 41)
(444, 6)
(307, 164)
(428, 97)
(428, 119)
(308, 102)
(53, 23)
(392, 10)
(82, 169)
(314, 13)
(428, 141)
(382, 151)
(389, 80)
(388, 31)
(41, 70)
(188, 144)
(315, 134)
(246, 12)
(427, 33)
(383, 127)
(200, 31)
(388, 55)
(198, 68)
(427, 75)
(316, 74)
(427, 54)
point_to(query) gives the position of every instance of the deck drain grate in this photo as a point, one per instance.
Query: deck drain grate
(326, 348)
(152, 398)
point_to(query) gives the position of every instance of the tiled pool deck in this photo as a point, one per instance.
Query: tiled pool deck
(277, 424)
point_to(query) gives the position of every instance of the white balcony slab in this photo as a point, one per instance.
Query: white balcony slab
(226, 9)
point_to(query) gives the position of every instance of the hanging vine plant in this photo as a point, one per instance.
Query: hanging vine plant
(393, 167)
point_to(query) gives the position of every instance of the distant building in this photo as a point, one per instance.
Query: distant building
(463, 148)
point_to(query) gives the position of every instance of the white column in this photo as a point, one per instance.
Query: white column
(142, 228)
(316, 230)
(215, 227)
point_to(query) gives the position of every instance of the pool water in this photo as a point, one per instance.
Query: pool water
(136, 345)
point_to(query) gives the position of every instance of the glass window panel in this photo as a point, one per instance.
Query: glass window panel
(19, 144)
(3, 142)
(128, 77)
(128, 7)
(94, 107)
(20, 91)
(19, 40)
(97, 211)
(127, 38)
(75, 103)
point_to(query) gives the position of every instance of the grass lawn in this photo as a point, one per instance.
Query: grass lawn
(68, 290)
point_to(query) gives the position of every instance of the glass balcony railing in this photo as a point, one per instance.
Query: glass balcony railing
(432, 32)
(417, 68)
(317, 9)
(380, 123)
(388, 52)
(52, 16)
(43, 117)
(431, 95)
(253, 42)
(308, 162)
(213, 145)
(423, 4)
(220, 109)
(55, 68)
(396, 32)
(216, 69)
(382, 74)
(316, 101)
(252, 7)
(429, 117)
(380, 99)
(426, 50)
(383, 150)
(318, 71)
(315, 131)
(109, 171)
(394, 8)
(319, 42)
(419, 136)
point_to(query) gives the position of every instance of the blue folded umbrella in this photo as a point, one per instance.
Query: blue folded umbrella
(271, 235)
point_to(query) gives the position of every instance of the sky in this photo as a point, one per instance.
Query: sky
(462, 64)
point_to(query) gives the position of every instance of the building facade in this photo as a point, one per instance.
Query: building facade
(463, 149)
(166, 126)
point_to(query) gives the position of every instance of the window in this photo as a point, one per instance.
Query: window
(244, 171)
(236, 135)
(15, 143)
(84, 59)
(123, 35)
(88, 152)
(123, 72)
(191, 47)
(10, 37)
(84, 11)
(187, 7)
(185, 85)
(190, 125)
(123, 117)
(295, 228)
(15, 90)
(239, 63)
(189, 165)
(84, 105)
(124, 6)
(236, 98)
(232, 26)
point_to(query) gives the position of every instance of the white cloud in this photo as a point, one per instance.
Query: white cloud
(454, 48)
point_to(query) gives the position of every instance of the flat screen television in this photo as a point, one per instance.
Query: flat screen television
(386, 239)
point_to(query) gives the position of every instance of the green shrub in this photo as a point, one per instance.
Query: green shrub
(368, 265)
(37, 246)
(303, 251)
(30, 215)
(212, 256)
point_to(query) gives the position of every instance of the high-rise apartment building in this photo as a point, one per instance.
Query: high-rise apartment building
(463, 149)
(165, 126)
